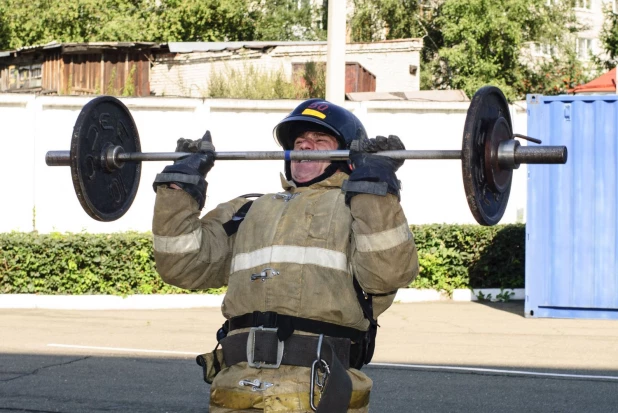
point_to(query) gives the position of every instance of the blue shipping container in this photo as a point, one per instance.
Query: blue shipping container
(572, 216)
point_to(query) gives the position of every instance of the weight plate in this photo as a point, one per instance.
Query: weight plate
(487, 186)
(106, 193)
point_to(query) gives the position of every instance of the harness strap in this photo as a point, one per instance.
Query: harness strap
(287, 324)
(298, 351)
(368, 347)
(231, 227)
(338, 389)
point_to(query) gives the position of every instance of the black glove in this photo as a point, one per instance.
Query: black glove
(189, 172)
(373, 174)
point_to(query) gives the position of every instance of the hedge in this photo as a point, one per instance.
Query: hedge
(450, 256)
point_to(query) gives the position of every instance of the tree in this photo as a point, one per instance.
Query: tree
(471, 43)
(387, 19)
(200, 20)
(366, 24)
(290, 20)
(484, 40)
(35, 22)
(42, 21)
(555, 75)
(4, 29)
(609, 40)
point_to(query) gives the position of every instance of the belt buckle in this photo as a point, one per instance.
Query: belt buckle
(251, 349)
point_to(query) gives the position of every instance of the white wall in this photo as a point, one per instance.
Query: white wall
(31, 126)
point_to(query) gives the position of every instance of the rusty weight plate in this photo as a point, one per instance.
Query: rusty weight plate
(105, 193)
(487, 185)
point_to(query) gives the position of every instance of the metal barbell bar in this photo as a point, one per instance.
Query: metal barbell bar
(520, 155)
(105, 156)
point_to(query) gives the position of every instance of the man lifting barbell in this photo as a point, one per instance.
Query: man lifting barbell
(308, 269)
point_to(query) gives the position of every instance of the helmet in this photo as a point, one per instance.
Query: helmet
(318, 115)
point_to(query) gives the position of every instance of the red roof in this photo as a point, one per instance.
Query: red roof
(604, 83)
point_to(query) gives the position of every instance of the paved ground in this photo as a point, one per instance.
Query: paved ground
(430, 357)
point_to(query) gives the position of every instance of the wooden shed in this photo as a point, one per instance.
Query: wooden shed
(111, 68)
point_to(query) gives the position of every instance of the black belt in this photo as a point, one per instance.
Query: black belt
(261, 348)
(286, 325)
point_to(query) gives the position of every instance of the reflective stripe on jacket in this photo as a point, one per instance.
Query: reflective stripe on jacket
(306, 241)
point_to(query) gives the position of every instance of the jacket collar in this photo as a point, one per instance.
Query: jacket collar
(333, 181)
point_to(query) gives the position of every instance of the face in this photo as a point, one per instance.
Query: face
(305, 171)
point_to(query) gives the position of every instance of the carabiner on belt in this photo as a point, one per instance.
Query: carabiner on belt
(318, 367)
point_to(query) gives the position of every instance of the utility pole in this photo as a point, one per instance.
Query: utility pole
(335, 55)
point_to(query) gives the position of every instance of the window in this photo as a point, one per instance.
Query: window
(583, 4)
(542, 49)
(584, 48)
(25, 77)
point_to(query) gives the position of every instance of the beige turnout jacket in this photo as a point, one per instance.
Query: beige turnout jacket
(309, 237)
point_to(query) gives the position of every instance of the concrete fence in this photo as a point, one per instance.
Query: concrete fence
(38, 197)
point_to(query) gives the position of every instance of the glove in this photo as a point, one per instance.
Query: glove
(373, 174)
(189, 172)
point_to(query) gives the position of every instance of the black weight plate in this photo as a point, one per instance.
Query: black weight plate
(487, 187)
(105, 195)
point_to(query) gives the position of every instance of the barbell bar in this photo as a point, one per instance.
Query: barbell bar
(520, 155)
(105, 156)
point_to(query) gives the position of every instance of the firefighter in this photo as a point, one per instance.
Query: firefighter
(308, 269)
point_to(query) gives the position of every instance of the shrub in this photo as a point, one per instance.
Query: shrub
(470, 256)
(450, 256)
(118, 264)
(251, 82)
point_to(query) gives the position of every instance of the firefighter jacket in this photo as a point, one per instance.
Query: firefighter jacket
(295, 253)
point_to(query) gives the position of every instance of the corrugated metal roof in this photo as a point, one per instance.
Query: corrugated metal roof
(190, 47)
(604, 83)
(79, 46)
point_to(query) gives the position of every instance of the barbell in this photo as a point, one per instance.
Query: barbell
(105, 156)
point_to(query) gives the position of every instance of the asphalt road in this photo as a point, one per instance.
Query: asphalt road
(431, 357)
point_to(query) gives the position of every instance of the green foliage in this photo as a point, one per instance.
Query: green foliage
(254, 83)
(554, 76)
(111, 90)
(450, 256)
(5, 33)
(117, 264)
(366, 25)
(42, 21)
(483, 40)
(389, 19)
(483, 297)
(200, 20)
(314, 80)
(472, 43)
(504, 295)
(129, 84)
(470, 256)
(288, 20)
(35, 22)
(609, 40)
(251, 82)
